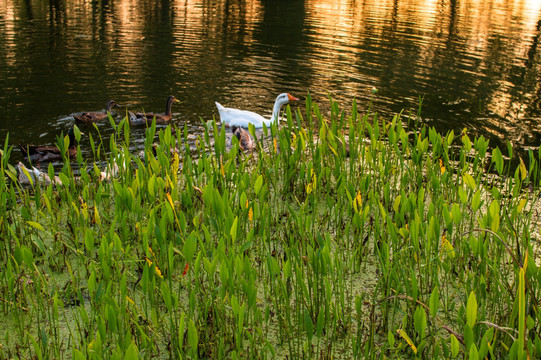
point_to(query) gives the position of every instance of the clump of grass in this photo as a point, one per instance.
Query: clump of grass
(341, 236)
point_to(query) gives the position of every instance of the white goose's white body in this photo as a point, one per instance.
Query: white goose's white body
(237, 117)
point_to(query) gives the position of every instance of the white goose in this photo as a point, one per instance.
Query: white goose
(236, 117)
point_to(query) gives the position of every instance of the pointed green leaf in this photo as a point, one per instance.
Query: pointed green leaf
(434, 301)
(471, 310)
(36, 225)
(258, 184)
(132, 353)
(233, 231)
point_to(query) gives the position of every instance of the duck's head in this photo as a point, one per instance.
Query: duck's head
(171, 99)
(285, 98)
(110, 104)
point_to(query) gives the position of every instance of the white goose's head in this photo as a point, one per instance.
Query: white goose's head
(285, 98)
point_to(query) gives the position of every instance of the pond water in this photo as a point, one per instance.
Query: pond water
(475, 63)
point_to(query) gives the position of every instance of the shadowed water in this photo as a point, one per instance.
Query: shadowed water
(476, 64)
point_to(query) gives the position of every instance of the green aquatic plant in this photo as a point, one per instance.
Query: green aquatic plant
(343, 235)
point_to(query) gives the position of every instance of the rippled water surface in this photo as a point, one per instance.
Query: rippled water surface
(476, 64)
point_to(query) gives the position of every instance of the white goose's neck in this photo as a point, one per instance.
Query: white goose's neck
(276, 112)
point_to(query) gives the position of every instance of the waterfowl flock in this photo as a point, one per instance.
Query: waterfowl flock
(236, 119)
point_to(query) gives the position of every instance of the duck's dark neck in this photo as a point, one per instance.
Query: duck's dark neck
(71, 137)
(168, 106)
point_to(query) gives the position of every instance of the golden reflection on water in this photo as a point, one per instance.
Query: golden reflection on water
(455, 53)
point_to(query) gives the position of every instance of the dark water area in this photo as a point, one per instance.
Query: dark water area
(476, 64)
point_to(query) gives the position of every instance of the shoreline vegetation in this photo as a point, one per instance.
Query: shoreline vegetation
(410, 245)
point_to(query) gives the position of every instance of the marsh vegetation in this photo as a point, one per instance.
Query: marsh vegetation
(341, 236)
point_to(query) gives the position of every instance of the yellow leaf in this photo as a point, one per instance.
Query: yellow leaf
(521, 205)
(91, 346)
(175, 165)
(97, 218)
(312, 185)
(275, 145)
(332, 149)
(152, 252)
(405, 336)
(397, 203)
(156, 269)
(357, 202)
(448, 247)
(170, 200)
(523, 171)
(251, 215)
(442, 167)
(158, 272)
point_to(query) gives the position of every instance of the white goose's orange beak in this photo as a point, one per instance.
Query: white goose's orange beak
(291, 97)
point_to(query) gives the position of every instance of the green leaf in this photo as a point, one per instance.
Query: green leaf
(77, 133)
(78, 355)
(396, 203)
(469, 180)
(258, 184)
(455, 346)
(474, 354)
(456, 213)
(190, 246)
(494, 212)
(419, 319)
(308, 325)
(471, 310)
(89, 240)
(233, 231)
(91, 283)
(468, 336)
(467, 143)
(36, 225)
(166, 294)
(497, 158)
(320, 322)
(151, 184)
(27, 256)
(36, 346)
(132, 353)
(390, 339)
(434, 301)
(246, 246)
(521, 312)
(192, 337)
